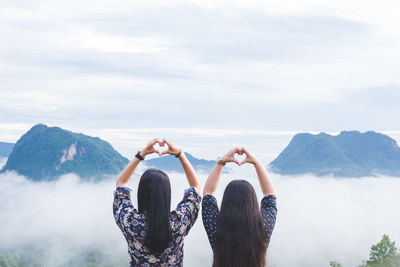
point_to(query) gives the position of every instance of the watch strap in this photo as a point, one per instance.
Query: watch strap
(139, 156)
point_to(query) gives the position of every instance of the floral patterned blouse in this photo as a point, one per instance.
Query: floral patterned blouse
(133, 226)
(210, 212)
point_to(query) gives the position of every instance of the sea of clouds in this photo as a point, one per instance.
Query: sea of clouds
(319, 219)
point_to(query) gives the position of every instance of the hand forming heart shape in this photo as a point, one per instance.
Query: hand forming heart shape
(240, 157)
(149, 148)
(240, 151)
(161, 147)
(166, 147)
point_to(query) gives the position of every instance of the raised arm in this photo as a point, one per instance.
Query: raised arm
(265, 182)
(126, 174)
(213, 179)
(187, 167)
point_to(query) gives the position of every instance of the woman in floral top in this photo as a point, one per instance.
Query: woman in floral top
(240, 232)
(154, 233)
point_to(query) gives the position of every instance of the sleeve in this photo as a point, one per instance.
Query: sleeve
(209, 212)
(188, 210)
(123, 210)
(269, 211)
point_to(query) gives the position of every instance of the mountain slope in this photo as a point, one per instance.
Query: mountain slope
(170, 163)
(350, 153)
(44, 153)
(5, 149)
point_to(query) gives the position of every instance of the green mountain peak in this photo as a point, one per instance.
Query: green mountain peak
(44, 153)
(351, 153)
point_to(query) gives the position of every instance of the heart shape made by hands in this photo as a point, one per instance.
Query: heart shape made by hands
(240, 158)
(161, 147)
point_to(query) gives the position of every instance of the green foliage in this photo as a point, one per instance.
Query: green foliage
(92, 257)
(22, 256)
(384, 254)
(38, 153)
(335, 264)
(35, 256)
(352, 154)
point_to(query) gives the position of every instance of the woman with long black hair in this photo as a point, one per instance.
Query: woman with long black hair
(240, 232)
(154, 233)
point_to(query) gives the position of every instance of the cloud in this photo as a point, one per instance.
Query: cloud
(319, 219)
(109, 43)
(332, 219)
(216, 69)
(380, 98)
(2, 162)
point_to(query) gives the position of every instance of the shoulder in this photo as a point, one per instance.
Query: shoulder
(190, 202)
(269, 210)
(209, 207)
(123, 192)
(185, 214)
(192, 194)
(209, 200)
(268, 201)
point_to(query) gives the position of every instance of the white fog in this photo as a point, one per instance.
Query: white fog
(319, 219)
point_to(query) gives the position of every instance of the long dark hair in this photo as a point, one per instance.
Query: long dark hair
(241, 239)
(154, 197)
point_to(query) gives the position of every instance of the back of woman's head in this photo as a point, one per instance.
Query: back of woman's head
(154, 197)
(241, 237)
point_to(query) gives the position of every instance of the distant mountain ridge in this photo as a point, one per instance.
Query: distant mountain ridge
(5, 149)
(44, 153)
(351, 153)
(170, 163)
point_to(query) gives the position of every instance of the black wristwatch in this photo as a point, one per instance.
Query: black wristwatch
(179, 153)
(139, 156)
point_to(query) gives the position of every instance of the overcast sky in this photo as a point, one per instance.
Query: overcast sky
(207, 74)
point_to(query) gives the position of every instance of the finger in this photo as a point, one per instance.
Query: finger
(238, 150)
(236, 161)
(171, 147)
(163, 142)
(167, 142)
(155, 141)
(233, 151)
(164, 152)
(245, 151)
(243, 162)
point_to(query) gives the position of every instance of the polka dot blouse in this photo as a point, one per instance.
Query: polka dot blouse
(210, 212)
